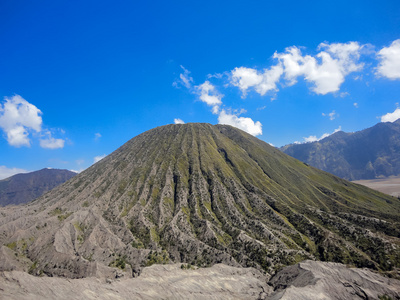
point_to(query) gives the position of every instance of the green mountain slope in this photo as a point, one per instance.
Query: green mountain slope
(200, 194)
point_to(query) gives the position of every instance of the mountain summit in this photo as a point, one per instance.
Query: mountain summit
(199, 194)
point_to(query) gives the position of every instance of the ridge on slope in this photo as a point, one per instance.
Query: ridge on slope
(22, 188)
(199, 194)
(367, 154)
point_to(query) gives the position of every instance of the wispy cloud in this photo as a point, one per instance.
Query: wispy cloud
(184, 79)
(97, 136)
(332, 115)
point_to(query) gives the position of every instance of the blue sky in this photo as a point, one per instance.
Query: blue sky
(80, 78)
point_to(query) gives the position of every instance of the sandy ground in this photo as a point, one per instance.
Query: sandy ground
(389, 185)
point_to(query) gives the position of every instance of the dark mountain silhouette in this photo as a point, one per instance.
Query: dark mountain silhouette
(23, 188)
(199, 194)
(371, 153)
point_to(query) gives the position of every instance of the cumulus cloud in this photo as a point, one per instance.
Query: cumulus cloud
(98, 158)
(209, 94)
(355, 104)
(246, 124)
(179, 121)
(8, 172)
(52, 143)
(262, 82)
(331, 115)
(326, 71)
(18, 117)
(389, 57)
(313, 138)
(48, 142)
(391, 117)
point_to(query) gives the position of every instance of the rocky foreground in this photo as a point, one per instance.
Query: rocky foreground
(305, 280)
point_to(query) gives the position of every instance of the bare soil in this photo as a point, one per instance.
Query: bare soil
(389, 185)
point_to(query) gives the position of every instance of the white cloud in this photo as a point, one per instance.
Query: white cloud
(97, 135)
(7, 172)
(51, 143)
(326, 70)
(179, 121)
(262, 82)
(78, 171)
(98, 158)
(313, 138)
(18, 136)
(331, 115)
(310, 139)
(17, 118)
(246, 124)
(389, 57)
(209, 94)
(391, 117)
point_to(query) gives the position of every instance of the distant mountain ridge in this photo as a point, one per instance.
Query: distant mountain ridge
(23, 188)
(367, 154)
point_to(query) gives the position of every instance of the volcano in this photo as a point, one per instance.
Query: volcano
(199, 194)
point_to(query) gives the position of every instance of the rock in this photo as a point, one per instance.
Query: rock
(310, 280)
(307, 280)
(155, 282)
